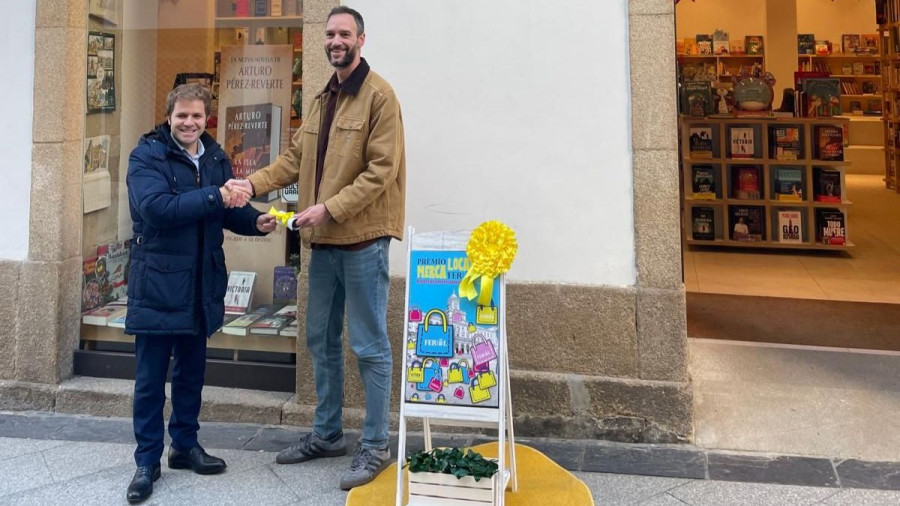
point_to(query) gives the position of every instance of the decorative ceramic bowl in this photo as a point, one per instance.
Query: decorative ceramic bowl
(753, 94)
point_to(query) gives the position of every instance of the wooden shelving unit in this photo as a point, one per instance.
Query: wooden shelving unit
(834, 65)
(722, 163)
(727, 65)
(864, 136)
(890, 86)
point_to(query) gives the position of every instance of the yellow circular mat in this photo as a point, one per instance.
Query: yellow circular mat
(541, 481)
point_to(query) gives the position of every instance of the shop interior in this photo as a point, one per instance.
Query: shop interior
(249, 55)
(792, 311)
(823, 170)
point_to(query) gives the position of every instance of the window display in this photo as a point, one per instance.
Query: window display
(251, 62)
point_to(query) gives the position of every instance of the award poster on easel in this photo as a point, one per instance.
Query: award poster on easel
(452, 343)
(455, 363)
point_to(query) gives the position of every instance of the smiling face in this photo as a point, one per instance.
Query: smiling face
(188, 120)
(342, 42)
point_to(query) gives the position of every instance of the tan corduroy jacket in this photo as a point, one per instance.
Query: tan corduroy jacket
(364, 177)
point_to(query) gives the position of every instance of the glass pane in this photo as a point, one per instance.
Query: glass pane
(248, 55)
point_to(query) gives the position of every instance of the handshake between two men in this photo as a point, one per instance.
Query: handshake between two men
(237, 192)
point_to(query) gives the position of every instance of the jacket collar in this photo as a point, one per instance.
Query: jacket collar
(163, 135)
(353, 83)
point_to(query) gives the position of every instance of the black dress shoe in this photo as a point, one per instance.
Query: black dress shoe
(141, 486)
(197, 460)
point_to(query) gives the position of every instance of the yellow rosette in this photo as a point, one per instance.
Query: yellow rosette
(283, 217)
(491, 250)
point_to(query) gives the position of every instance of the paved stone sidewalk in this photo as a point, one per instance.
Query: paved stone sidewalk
(59, 460)
(56, 472)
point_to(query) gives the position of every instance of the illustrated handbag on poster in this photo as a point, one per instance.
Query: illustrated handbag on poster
(459, 372)
(478, 394)
(486, 379)
(432, 376)
(415, 373)
(454, 374)
(483, 351)
(486, 315)
(415, 315)
(435, 340)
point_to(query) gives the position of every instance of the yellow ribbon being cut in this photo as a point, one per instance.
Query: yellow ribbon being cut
(491, 250)
(283, 217)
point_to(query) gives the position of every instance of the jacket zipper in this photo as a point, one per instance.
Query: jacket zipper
(196, 172)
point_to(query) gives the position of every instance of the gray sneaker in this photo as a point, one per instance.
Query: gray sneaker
(366, 465)
(312, 446)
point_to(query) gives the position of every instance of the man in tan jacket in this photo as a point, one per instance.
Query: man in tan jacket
(349, 161)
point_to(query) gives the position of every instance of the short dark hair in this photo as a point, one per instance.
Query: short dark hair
(192, 91)
(343, 9)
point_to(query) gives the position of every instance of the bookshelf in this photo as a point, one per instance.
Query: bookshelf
(860, 76)
(724, 167)
(890, 86)
(726, 66)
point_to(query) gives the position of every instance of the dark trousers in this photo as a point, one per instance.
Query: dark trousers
(152, 354)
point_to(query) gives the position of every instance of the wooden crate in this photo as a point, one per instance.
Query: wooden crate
(448, 490)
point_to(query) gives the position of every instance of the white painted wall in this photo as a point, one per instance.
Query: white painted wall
(17, 31)
(830, 20)
(738, 18)
(516, 110)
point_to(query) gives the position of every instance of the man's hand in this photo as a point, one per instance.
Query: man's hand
(265, 223)
(312, 216)
(240, 185)
(229, 198)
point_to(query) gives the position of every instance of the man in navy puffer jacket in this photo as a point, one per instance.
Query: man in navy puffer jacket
(180, 205)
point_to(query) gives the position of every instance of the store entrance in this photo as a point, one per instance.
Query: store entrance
(790, 207)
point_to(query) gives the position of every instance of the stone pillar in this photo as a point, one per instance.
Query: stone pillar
(660, 309)
(48, 283)
(316, 73)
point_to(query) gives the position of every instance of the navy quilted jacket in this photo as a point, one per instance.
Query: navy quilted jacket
(178, 275)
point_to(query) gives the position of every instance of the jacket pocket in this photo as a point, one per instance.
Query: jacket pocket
(220, 276)
(168, 281)
(348, 137)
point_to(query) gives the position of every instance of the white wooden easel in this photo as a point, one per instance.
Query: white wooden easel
(499, 418)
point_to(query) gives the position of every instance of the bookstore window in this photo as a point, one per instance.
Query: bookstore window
(788, 162)
(249, 55)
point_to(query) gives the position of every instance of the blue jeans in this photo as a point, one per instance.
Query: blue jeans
(360, 280)
(152, 354)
